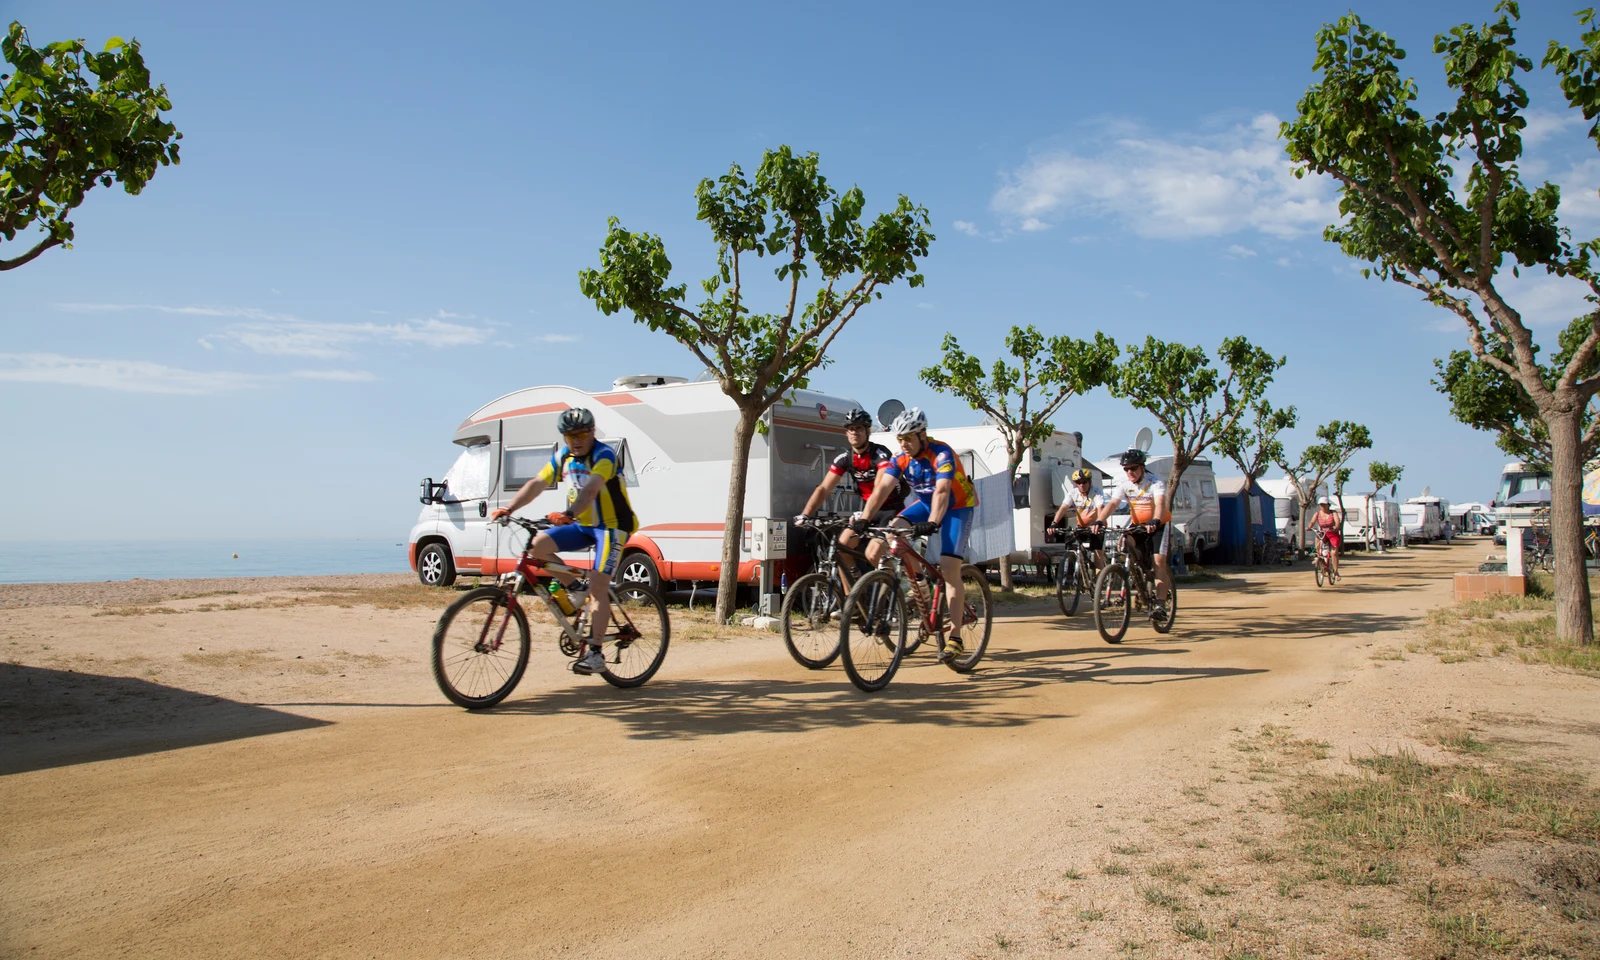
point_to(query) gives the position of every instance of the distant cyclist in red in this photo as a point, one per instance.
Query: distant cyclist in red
(1331, 525)
(866, 464)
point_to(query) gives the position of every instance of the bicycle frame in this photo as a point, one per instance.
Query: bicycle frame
(533, 573)
(1137, 574)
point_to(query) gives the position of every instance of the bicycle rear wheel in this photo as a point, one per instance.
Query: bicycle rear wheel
(872, 649)
(977, 619)
(480, 648)
(637, 641)
(809, 611)
(1069, 585)
(1113, 603)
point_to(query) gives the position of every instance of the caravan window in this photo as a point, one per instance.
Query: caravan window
(1209, 489)
(624, 462)
(524, 463)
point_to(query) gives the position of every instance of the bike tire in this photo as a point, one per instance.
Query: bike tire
(809, 609)
(1067, 577)
(974, 594)
(637, 656)
(870, 658)
(916, 614)
(1164, 625)
(1547, 563)
(468, 675)
(1113, 603)
(1319, 573)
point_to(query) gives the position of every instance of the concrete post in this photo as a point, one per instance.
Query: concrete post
(1514, 552)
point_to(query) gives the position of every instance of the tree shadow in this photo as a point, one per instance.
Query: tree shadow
(53, 718)
(1299, 627)
(1108, 663)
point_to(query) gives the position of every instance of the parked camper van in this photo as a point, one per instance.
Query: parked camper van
(674, 440)
(1038, 488)
(1371, 519)
(1195, 512)
(1424, 517)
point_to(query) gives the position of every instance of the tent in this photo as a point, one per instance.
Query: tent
(1240, 530)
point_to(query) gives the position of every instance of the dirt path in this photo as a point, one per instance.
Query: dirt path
(736, 806)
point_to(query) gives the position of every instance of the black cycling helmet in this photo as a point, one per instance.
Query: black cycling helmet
(858, 417)
(574, 420)
(1132, 457)
(1082, 475)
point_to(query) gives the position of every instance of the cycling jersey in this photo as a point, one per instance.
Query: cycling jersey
(1087, 505)
(862, 468)
(936, 462)
(1144, 499)
(610, 508)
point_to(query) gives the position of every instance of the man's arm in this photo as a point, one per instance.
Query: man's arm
(888, 479)
(587, 494)
(941, 501)
(830, 480)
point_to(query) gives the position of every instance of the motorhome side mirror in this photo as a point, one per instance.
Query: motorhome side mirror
(427, 490)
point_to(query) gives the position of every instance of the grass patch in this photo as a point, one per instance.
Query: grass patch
(1126, 850)
(1215, 890)
(1071, 873)
(1115, 870)
(1523, 626)
(1192, 928)
(133, 611)
(1091, 914)
(1368, 930)
(1471, 929)
(1169, 871)
(1162, 897)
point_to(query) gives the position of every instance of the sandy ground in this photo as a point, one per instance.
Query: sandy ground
(285, 780)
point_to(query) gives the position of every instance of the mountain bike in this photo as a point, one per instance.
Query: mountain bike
(1124, 586)
(906, 591)
(813, 603)
(1077, 573)
(1323, 562)
(480, 646)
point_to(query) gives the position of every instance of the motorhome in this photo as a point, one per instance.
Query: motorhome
(1370, 520)
(1429, 519)
(1039, 485)
(1516, 478)
(1195, 511)
(674, 439)
(1286, 508)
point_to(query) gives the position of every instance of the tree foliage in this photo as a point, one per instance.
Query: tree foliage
(1337, 442)
(1254, 443)
(1382, 474)
(816, 236)
(62, 133)
(1197, 404)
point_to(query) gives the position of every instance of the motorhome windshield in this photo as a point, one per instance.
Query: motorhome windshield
(1512, 484)
(468, 477)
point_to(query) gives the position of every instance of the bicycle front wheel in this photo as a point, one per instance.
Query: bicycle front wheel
(1069, 585)
(977, 618)
(809, 628)
(1164, 624)
(637, 641)
(1113, 603)
(872, 649)
(480, 648)
(1319, 572)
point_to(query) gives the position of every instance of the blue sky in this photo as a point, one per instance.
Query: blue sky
(382, 209)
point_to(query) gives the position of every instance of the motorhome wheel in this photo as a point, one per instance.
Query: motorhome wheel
(435, 568)
(638, 570)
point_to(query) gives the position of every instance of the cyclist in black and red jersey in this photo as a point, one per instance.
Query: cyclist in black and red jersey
(863, 463)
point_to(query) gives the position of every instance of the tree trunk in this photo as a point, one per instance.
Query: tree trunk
(733, 518)
(1245, 499)
(1574, 618)
(1005, 561)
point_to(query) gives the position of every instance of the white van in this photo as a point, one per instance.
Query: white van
(1369, 520)
(1286, 508)
(1196, 513)
(674, 440)
(1424, 517)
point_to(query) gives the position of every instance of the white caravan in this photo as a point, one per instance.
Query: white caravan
(674, 440)
(1286, 508)
(1369, 519)
(1424, 517)
(1196, 513)
(1037, 490)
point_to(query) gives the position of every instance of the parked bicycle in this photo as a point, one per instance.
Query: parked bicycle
(480, 647)
(1125, 586)
(902, 603)
(812, 604)
(1076, 574)
(1322, 561)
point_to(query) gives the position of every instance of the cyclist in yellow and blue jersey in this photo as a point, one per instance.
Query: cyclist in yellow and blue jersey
(598, 516)
(945, 503)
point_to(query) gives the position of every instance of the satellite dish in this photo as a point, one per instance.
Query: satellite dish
(888, 411)
(1427, 491)
(1144, 439)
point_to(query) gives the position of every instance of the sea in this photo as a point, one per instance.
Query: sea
(47, 561)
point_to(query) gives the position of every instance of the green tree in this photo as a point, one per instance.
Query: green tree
(61, 134)
(1337, 442)
(1407, 209)
(791, 213)
(1045, 372)
(1382, 475)
(1484, 397)
(1253, 444)
(1196, 403)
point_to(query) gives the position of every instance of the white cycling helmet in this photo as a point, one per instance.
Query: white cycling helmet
(909, 421)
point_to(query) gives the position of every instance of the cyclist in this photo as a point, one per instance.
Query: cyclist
(1330, 525)
(865, 464)
(597, 516)
(945, 503)
(1087, 506)
(1146, 497)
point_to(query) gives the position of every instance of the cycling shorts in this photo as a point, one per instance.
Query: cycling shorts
(1335, 541)
(953, 531)
(606, 541)
(1149, 545)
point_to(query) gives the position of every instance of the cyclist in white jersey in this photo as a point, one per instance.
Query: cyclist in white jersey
(1146, 497)
(1086, 503)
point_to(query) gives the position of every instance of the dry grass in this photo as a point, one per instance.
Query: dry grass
(1524, 627)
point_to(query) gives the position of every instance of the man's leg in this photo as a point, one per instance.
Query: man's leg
(955, 599)
(1158, 547)
(847, 563)
(545, 549)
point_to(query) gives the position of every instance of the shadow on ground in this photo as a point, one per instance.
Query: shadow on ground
(53, 718)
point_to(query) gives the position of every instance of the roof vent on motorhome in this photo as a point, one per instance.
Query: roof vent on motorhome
(644, 380)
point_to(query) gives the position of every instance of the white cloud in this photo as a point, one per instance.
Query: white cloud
(132, 376)
(1544, 124)
(968, 228)
(1238, 252)
(282, 334)
(1543, 299)
(1177, 188)
(1033, 224)
(335, 376)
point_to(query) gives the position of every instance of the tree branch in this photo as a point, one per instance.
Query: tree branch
(38, 248)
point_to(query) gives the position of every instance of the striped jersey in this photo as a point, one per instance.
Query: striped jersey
(610, 508)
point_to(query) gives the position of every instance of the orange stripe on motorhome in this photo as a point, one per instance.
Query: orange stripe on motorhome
(618, 399)
(682, 526)
(521, 412)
